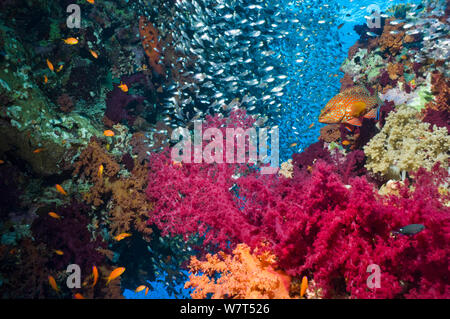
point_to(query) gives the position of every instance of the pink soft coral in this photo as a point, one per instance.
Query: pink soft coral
(197, 198)
(318, 225)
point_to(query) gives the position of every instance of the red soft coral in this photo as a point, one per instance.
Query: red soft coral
(314, 223)
(319, 226)
(182, 193)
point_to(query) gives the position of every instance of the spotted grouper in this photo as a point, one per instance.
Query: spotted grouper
(350, 106)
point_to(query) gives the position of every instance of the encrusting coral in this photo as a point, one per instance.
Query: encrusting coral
(395, 70)
(405, 144)
(244, 275)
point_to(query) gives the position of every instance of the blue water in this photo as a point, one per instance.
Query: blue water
(309, 65)
(313, 64)
(158, 290)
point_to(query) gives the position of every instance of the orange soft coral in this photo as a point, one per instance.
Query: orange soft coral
(440, 87)
(125, 197)
(243, 275)
(393, 42)
(90, 160)
(149, 38)
(130, 206)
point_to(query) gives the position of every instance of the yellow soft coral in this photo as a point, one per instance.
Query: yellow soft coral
(405, 143)
(242, 275)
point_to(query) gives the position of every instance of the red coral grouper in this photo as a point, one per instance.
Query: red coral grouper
(349, 106)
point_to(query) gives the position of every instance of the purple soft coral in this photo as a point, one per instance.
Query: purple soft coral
(70, 235)
(117, 101)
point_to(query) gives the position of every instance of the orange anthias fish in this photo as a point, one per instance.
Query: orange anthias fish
(50, 65)
(123, 87)
(346, 142)
(91, 1)
(122, 236)
(59, 252)
(54, 215)
(108, 133)
(94, 54)
(115, 273)
(100, 170)
(350, 106)
(95, 274)
(146, 291)
(53, 284)
(177, 164)
(303, 286)
(70, 41)
(38, 150)
(140, 288)
(60, 189)
(60, 68)
(45, 79)
(78, 296)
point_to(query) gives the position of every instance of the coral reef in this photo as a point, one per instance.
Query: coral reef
(89, 174)
(89, 161)
(438, 118)
(440, 87)
(129, 206)
(117, 103)
(313, 153)
(339, 230)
